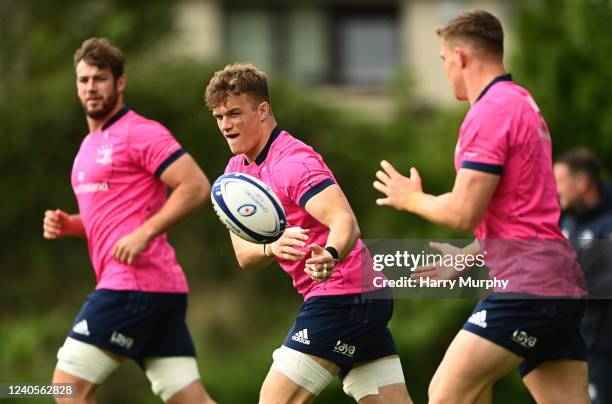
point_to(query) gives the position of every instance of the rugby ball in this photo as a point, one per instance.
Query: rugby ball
(248, 208)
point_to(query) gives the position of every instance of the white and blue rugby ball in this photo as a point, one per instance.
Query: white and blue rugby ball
(248, 208)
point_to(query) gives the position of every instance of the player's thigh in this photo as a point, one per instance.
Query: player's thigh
(169, 356)
(175, 379)
(170, 335)
(84, 366)
(391, 393)
(81, 389)
(471, 363)
(83, 361)
(119, 321)
(296, 377)
(193, 393)
(278, 388)
(377, 381)
(558, 382)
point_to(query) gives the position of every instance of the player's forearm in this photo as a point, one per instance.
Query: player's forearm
(252, 256)
(446, 210)
(76, 227)
(184, 200)
(343, 233)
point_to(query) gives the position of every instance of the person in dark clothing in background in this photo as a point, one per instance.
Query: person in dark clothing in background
(586, 202)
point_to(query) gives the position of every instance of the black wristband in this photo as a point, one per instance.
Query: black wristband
(334, 253)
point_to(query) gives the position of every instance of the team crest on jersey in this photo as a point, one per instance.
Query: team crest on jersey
(105, 155)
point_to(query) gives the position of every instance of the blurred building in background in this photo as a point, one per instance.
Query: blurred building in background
(344, 47)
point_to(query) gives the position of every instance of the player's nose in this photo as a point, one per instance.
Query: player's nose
(225, 124)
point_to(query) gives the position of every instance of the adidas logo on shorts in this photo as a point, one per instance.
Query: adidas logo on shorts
(301, 336)
(345, 349)
(479, 319)
(81, 328)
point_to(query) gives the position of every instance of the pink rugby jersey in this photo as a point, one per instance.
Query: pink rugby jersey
(296, 173)
(505, 134)
(115, 177)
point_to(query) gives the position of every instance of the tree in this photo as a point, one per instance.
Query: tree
(564, 57)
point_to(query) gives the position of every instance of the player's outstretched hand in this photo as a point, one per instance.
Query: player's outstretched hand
(439, 272)
(395, 186)
(320, 264)
(128, 247)
(58, 223)
(285, 247)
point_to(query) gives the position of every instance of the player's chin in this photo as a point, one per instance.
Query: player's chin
(235, 149)
(461, 97)
(96, 113)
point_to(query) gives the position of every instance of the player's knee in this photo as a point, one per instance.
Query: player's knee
(367, 379)
(444, 393)
(301, 369)
(84, 361)
(439, 399)
(269, 395)
(80, 391)
(170, 375)
(438, 394)
(194, 393)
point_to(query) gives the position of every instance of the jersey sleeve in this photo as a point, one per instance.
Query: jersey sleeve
(153, 147)
(303, 175)
(485, 141)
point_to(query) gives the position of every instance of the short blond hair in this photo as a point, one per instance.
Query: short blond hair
(236, 79)
(479, 28)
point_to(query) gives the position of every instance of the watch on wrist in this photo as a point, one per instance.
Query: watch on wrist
(333, 252)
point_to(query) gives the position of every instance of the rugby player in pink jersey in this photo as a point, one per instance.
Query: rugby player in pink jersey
(339, 330)
(120, 177)
(504, 191)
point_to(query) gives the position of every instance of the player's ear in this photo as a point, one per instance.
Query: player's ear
(461, 56)
(120, 84)
(263, 110)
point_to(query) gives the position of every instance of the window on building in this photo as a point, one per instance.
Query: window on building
(316, 44)
(366, 46)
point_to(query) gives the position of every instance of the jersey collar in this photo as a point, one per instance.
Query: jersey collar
(116, 117)
(264, 153)
(503, 77)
